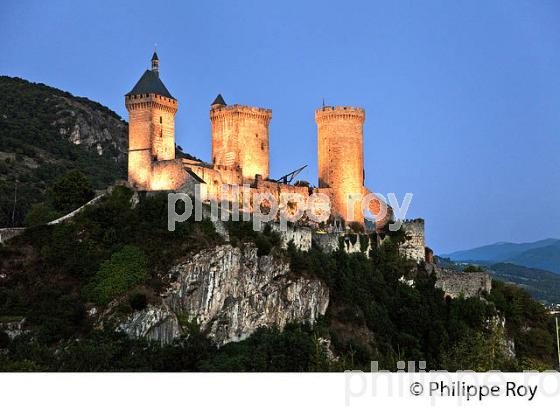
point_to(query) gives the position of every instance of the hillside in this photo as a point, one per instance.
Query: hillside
(71, 293)
(112, 289)
(546, 258)
(541, 284)
(45, 133)
(544, 254)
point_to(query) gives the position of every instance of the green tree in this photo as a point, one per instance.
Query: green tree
(72, 191)
(40, 214)
(126, 269)
(473, 268)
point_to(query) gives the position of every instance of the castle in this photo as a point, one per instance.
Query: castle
(240, 152)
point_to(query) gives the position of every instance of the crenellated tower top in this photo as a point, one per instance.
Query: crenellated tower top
(221, 111)
(329, 112)
(240, 138)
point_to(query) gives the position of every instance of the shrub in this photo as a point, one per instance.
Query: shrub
(4, 340)
(72, 191)
(125, 269)
(473, 268)
(243, 231)
(138, 300)
(356, 227)
(40, 214)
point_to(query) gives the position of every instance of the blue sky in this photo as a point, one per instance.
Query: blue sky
(462, 98)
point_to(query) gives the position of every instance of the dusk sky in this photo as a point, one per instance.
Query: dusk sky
(462, 98)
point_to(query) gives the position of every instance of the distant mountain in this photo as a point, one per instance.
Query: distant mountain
(547, 258)
(544, 254)
(541, 284)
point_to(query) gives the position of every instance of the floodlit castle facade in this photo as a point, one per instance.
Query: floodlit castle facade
(240, 151)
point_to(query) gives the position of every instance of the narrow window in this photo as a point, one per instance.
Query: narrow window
(160, 120)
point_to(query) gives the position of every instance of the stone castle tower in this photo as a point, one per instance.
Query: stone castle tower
(341, 156)
(151, 133)
(240, 138)
(240, 151)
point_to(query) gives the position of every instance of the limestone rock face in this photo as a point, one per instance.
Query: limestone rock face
(231, 292)
(94, 129)
(156, 323)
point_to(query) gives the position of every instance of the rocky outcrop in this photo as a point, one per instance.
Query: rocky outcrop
(230, 292)
(95, 129)
(157, 323)
(301, 237)
(352, 242)
(12, 326)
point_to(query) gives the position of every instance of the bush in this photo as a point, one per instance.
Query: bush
(72, 191)
(243, 231)
(40, 214)
(356, 227)
(138, 300)
(473, 268)
(126, 269)
(4, 340)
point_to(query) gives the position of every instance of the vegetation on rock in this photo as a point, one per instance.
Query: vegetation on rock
(37, 146)
(119, 253)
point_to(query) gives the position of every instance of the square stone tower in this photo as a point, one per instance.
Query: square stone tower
(240, 138)
(151, 125)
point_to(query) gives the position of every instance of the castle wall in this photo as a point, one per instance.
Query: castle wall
(301, 237)
(167, 175)
(353, 243)
(240, 138)
(327, 242)
(216, 177)
(455, 284)
(163, 127)
(378, 208)
(340, 150)
(8, 233)
(139, 140)
(414, 248)
(151, 135)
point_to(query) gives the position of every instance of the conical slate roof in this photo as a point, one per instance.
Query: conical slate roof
(150, 83)
(155, 57)
(219, 100)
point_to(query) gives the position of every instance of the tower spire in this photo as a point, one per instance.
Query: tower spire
(155, 64)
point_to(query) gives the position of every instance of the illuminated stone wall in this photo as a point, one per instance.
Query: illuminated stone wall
(167, 175)
(341, 159)
(240, 138)
(240, 153)
(151, 136)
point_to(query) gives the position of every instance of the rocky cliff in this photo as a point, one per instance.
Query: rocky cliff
(230, 292)
(98, 130)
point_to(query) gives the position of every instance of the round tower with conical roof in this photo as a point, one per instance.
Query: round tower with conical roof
(151, 125)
